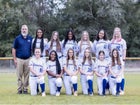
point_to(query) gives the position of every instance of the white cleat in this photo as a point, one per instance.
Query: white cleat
(122, 93)
(43, 94)
(75, 93)
(57, 93)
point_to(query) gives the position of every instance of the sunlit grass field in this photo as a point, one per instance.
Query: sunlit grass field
(8, 90)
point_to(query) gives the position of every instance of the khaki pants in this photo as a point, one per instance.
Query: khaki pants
(22, 74)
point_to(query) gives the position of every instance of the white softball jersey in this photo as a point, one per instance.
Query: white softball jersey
(87, 67)
(71, 67)
(102, 67)
(38, 42)
(51, 66)
(119, 45)
(38, 65)
(101, 45)
(83, 48)
(54, 47)
(70, 44)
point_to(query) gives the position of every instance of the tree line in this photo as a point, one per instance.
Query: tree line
(79, 15)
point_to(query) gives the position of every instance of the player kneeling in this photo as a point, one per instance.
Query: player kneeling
(70, 74)
(37, 67)
(86, 69)
(54, 71)
(116, 69)
(101, 70)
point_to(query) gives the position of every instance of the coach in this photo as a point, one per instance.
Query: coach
(21, 52)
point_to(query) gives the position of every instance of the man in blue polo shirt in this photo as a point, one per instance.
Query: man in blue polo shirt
(21, 52)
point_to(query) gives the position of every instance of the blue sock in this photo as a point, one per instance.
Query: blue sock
(118, 87)
(122, 84)
(104, 86)
(90, 84)
(42, 87)
(58, 89)
(37, 88)
(107, 85)
(75, 87)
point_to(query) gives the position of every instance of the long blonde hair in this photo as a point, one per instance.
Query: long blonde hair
(114, 33)
(88, 41)
(58, 46)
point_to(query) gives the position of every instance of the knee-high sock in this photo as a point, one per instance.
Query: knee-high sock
(42, 87)
(75, 86)
(122, 84)
(118, 87)
(37, 88)
(58, 89)
(104, 86)
(107, 85)
(90, 84)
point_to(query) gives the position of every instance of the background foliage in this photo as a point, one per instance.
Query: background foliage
(60, 15)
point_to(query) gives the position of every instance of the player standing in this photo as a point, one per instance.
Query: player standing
(55, 71)
(70, 74)
(119, 43)
(55, 44)
(101, 44)
(86, 67)
(69, 42)
(39, 42)
(102, 70)
(37, 67)
(83, 44)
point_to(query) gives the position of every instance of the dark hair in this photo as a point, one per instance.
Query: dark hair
(97, 36)
(101, 52)
(118, 58)
(67, 38)
(58, 66)
(42, 41)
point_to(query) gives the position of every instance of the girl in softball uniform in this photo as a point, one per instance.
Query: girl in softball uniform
(69, 42)
(116, 69)
(70, 73)
(54, 70)
(86, 67)
(101, 70)
(101, 44)
(83, 44)
(37, 67)
(55, 44)
(119, 43)
(39, 42)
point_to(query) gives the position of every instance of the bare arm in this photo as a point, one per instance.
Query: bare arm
(110, 70)
(67, 71)
(51, 73)
(90, 73)
(33, 71)
(81, 71)
(14, 56)
(75, 73)
(97, 74)
(124, 54)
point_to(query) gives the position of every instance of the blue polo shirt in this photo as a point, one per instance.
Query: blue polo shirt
(23, 46)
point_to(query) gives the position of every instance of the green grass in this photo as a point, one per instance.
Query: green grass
(8, 90)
